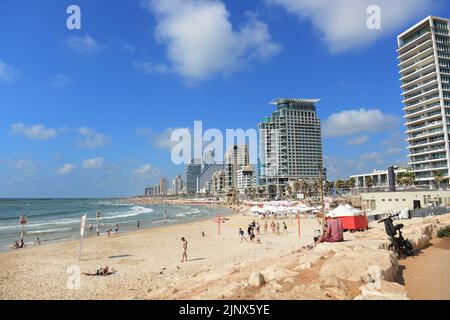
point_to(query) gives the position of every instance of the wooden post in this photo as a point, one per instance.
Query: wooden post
(298, 223)
(218, 221)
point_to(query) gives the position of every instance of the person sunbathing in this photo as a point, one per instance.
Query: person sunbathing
(105, 271)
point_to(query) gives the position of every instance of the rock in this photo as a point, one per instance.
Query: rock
(384, 290)
(277, 273)
(306, 260)
(327, 247)
(256, 279)
(419, 241)
(359, 266)
(220, 292)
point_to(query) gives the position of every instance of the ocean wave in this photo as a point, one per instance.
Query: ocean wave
(162, 221)
(135, 211)
(48, 230)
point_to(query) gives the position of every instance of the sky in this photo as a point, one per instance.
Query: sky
(89, 112)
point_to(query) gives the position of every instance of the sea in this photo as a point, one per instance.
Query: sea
(52, 220)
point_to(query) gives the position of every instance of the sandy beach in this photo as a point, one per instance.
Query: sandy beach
(222, 267)
(147, 261)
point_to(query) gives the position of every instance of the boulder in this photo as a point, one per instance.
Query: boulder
(359, 266)
(419, 241)
(277, 273)
(306, 260)
(384, 290)
(256, 279)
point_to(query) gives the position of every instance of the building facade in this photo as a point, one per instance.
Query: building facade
(193, 171)
(217, 185)
(424, 62)
(246, 178)
(290, 143)
(235, 158)
(205, 176)
(378, 179)
(177, 185)
(387, 202)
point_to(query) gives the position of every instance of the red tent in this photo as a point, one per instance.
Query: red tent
(351, 219)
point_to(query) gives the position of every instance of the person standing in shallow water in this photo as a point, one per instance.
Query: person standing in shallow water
(185, 244)
(138, 225)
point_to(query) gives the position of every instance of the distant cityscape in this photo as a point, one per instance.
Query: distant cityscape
(290, 139)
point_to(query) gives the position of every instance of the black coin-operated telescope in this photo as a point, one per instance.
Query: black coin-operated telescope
(391, 178)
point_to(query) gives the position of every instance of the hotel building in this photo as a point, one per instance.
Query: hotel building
(235, 158)
(424, 62)
(290, 143)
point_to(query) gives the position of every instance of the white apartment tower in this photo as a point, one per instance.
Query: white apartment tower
(235, 158)
(290, 143)
(424, 62)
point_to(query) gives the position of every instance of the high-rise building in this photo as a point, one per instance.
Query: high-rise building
(217, 184)
(235, 158)
(206, 175)
(290, 143)
(177, 185)
(424, 62)
(246, 178)
(193, 171)
(163, 186)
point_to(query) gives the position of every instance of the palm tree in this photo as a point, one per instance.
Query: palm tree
(351, 183)
(405, 178)
(369, 183)
(439, 178)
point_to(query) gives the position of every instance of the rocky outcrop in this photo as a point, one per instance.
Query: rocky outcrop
(383, 290)
(272, 273)
(359, 266)
(306, 260)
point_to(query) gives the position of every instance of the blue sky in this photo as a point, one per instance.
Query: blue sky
(88, 112)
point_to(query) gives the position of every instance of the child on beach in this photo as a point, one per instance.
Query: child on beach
(242, 235)
(185, 244)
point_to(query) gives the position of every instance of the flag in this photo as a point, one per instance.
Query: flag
(82, 223)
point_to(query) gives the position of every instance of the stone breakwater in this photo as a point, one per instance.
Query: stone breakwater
(359, 268)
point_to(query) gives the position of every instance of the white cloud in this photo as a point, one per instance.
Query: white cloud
(159, 140)
(201, 41)
(83, 45)
(35, 132)
(342, 24)
(358, 140)
(95, 163)
(146, 170)
(7, 72)
(351, 122)
(65, 169)
(60, 80)
(92, 139)
(372, 156)
(150, 68)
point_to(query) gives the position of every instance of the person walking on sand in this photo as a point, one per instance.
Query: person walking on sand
(273, 226)
(258, 229)
(242, 235)
(185, 244)
(266, 226)
(285, 227)
(117, 228)
(138, 225)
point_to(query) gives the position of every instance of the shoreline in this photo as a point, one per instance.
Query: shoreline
(220, 266)
(88, 235)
